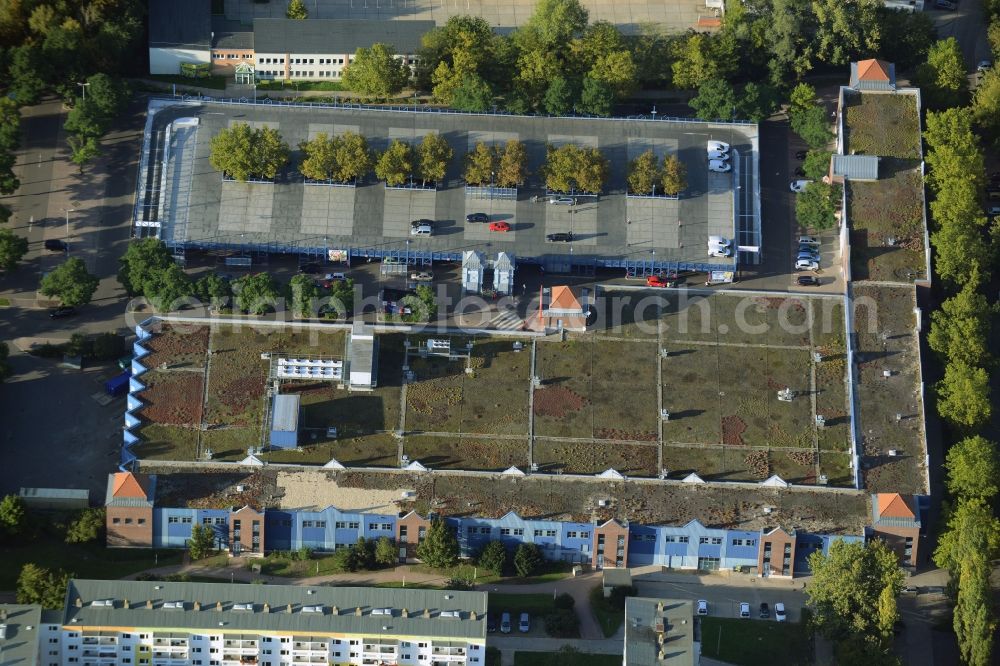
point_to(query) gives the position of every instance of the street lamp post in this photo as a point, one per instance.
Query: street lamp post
(83, 86)
(68, 211)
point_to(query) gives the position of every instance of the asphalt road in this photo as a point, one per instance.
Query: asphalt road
(56, 434)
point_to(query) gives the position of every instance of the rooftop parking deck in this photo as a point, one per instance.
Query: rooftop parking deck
(198, 209)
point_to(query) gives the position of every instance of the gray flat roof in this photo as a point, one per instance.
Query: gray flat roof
(276, 617)
(286, 413)
(199, 210)
(646, 619)
(19, 639)
(180, 23)
(231, 34)
(856, 167)
(277, 35)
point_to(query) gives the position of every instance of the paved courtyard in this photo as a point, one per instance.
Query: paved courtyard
(199, 208)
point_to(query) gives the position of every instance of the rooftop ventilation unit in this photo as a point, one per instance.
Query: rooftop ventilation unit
(452, 614)
(381, 611)
(173, 605)
(243, 607)
(312, 609)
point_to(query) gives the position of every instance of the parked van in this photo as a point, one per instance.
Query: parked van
(719, 241)
(422, 230)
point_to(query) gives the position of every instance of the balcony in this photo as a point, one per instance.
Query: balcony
(448, 651)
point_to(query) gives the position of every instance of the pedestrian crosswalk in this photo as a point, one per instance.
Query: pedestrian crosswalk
(507, 320)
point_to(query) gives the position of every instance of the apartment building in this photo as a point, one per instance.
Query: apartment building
(770, 551)
(134, 623)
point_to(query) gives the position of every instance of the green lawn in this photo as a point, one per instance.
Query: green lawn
(580, 659)
(266, 84)
(82, 560)
(753, 642)
(609, 618)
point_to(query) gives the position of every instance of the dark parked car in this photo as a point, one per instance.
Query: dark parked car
(64, 311)
(563, 237)
(801, 154)
(422, 223)
(491, 623)
(807, 281)
(765, 612)
(56, 245)
(477, 217)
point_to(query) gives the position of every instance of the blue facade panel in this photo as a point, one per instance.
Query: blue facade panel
(278, 529)
(741, 548)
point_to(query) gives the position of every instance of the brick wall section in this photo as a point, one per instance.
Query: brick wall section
(129, 527)
(895, 538)
(250, 535)
(408, 530)
(614, 547)
(782, 563)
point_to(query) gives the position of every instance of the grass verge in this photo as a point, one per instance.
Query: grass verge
(750, 642)
(580, 659)
(609, 617)
(214, 82)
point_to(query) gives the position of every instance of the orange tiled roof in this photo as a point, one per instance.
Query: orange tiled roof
(873, 70)
(128, 485)
(892, 505)
(564, 299)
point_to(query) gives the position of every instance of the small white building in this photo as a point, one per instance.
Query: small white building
(364, 357)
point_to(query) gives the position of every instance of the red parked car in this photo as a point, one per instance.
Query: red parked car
(656, 281)
(499, 226)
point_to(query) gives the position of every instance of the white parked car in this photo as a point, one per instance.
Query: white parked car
(808, 240)
(718, 146)
(716, 155)
(718, 166)
(744, 610)
(806, 265)
(717, 251)
(719, 240)
(798, 186)
(984, 66)
(422, 276)
(779, 612)
(702, 607)
(993, 210)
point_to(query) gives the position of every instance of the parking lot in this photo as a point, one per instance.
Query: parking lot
(287, 215)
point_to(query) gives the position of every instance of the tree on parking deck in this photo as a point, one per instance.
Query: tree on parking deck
(297, 10)
(715, 100)
(513, 164)
(493, 557)
(320, 157)
(201, 544)
(674, 179)
(942, 78)
(816, 207)
(481, 164)
(848, 583)
(353, 157)
(571, 168)
(643, 173)
(245, 152)
(258, 293)
(376, 71)
(435, 153)
(439, 549)
(83, 149)
(70, 283)
(12, 248)
(41, 586)
(973, 466)
(964, 396)
(961, 328)
(396, 164)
